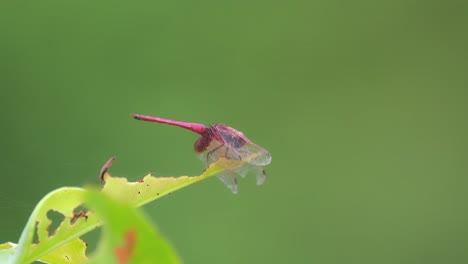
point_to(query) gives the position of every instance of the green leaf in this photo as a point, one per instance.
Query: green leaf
(65, 200)
(127, 235)
(71, 252)
(6, 252)
(150, 188)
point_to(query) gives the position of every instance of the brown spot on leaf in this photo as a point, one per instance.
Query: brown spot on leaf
(125, 252)
(141, 180)
(76, 216)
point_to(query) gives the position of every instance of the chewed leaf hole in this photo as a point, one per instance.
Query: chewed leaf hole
(78, 209)
(57, 219)
(79, 212)
(36, 236)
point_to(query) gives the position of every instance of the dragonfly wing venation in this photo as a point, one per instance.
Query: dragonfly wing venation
(261, 175)
(257, 170)
(254, 154)
(229, 179)
(243, 148)
(217, 150)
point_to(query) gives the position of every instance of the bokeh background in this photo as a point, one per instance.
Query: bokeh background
(363, 105)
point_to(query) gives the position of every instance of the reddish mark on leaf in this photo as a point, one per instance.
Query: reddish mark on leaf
(141, 180)
(125, 252)
(82, 213)
(105, 167)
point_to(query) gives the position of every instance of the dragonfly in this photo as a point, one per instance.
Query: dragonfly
(221, 141)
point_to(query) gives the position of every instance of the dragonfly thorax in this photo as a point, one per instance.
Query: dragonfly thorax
(203, 142)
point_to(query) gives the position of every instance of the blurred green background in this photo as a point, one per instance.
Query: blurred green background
(363, 105)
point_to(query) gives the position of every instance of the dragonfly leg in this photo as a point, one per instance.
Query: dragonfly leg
(211, 152)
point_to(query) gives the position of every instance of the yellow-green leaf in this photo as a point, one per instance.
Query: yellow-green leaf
(65, 200)
(6, 252)
(150, 188)
(71, 252)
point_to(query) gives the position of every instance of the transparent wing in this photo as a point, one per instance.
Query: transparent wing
(229, 179)
(261, 175)
(257, 170)
(214, 151)
(254, 154)
(241, 147)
